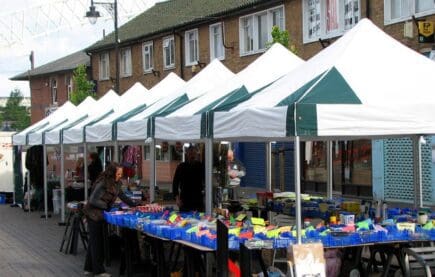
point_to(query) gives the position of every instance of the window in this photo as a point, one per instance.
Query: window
(401, 10)
(53, 87)
(69, 86)
(191, 47)
(216, 42)
(125, 62)
(255, 29)
(168, 52)
(148, 60)
(104, 66)
(329, 18)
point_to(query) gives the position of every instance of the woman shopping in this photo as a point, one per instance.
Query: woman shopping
(107, 188)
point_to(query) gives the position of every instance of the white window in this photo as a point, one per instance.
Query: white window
(53, 87)
(104, 66)
(125, 62)
(69, 86)
(255, 29)
(217, 50)
(328, 18)
(401, 10)
(168, 52)
(191, 47)
(148, 56)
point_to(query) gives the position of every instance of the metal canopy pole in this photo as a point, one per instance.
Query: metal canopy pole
(44, 161)
(208, 175)
(62, 184)
(418, 176)
(116, 152)
(85, 169)
(330, 181)
(152, 169)
(269, 166)
(298, 203)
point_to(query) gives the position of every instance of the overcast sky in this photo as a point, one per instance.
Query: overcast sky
(14, 59)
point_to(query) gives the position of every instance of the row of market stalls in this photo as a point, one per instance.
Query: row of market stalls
(365, 85)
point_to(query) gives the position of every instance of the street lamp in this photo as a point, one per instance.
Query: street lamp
(93, 15)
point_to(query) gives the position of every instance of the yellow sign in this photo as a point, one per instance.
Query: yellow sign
(425, 31)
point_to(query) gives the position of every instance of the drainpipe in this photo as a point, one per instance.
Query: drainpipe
(368, 9)
(181, 54)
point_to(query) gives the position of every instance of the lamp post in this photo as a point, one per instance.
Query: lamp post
(93, 15)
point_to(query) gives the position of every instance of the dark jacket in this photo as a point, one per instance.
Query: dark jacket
(102, 198)
(94, 170)
(188, 183)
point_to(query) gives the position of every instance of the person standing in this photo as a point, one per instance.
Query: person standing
(107, 188)
(188, 183)
(235, 169)
(95, 167)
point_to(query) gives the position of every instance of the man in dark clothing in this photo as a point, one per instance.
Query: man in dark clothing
(188, 183)
(94, 168)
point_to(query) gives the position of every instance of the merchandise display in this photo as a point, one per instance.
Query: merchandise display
(344, 230)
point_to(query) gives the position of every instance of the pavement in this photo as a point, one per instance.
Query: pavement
(29, 246)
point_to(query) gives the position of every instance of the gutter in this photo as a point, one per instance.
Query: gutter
(188, 25)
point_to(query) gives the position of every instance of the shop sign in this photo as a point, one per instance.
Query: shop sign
(425, 31)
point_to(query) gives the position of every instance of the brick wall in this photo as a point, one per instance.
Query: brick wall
(41, 93)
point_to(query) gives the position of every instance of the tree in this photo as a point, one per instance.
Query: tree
(14, 112)
(282, 37)
(82, 86)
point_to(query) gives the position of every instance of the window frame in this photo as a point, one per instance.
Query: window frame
(150, 53)
(220, 26)
(164, 40)
(412, 11)
(104, 67)
(69, 86)
(253, 17)
(187, 58)
(323, 33)
(126, 66)
(53, 91)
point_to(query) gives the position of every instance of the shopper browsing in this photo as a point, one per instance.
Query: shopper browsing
(188, 183)
(235, 169)
(107, 188)
(95, 167)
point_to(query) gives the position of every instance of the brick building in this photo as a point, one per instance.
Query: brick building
(51, 84)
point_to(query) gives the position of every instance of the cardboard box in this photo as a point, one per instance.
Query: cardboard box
(307, 259)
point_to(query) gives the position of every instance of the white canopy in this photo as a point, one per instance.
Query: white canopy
(135, 128)
(132, 102)
(185, 123)
(52, 136)
(103, 107)
(366, 84)
(57, 117)
(102, 130)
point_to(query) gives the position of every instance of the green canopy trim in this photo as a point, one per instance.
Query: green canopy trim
(328, 88)
(130, 114)
(36, 129)
(70, 125)
(306, 120)
(207, 119)
(174, 105)
(232, 97)
(95, 121)
(51, 128)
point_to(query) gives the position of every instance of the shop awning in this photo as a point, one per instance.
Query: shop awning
(55, 118)
(103, 107)
(187, 123)
(366, 84)
(132, 102)
(139, 127)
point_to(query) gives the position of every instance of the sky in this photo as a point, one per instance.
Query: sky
(46, 43)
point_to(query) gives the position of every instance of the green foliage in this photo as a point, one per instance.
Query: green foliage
(82, 86)
(14, 112)
(282, 37)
